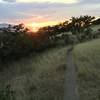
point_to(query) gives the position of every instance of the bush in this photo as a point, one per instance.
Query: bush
(71, 39)
(14, 45)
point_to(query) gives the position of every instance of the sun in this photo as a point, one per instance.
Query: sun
(34, 27)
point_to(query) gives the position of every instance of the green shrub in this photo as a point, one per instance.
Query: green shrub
(6, 93)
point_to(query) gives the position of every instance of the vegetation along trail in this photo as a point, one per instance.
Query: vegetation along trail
(70, 81)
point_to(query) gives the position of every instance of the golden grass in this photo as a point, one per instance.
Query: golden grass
(38, 77)
(87, 60)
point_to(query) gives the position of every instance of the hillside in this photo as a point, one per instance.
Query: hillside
(87, 60)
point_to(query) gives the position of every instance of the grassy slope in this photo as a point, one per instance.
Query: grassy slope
(39, 77)
(87, 60)
(95, 27)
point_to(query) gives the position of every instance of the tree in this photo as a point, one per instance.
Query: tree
(79, 24)
(20, 28)
(14, 42)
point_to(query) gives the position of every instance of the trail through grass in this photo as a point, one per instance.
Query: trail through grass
(70, 83)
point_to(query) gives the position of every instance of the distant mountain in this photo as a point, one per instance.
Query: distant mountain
(4, 25)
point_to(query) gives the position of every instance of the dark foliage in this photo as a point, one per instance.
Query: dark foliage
(96, 22)
(17, 41)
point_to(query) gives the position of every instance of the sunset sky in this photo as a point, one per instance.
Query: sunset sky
(37, 13)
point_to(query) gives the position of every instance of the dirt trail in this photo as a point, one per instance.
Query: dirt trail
(70, 81)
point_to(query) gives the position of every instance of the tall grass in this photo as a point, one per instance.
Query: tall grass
(38, 77)
(87, 60)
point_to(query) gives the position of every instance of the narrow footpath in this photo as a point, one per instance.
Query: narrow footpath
(70, 81)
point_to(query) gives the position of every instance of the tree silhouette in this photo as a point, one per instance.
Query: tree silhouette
(79, 24)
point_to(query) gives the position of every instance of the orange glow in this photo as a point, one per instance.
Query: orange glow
(35, 26)
(34, 29)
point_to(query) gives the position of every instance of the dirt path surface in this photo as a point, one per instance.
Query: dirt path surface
(70, 81)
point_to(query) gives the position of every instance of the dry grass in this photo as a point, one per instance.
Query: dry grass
(39, 77)
(87, 60)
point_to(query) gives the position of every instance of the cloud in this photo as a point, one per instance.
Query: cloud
(54, 1)
(51, 1)
(89, 2)
(61, 2)
(46, 11)
(9, 0)
(42, 1)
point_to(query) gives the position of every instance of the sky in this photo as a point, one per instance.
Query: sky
(37, 13)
